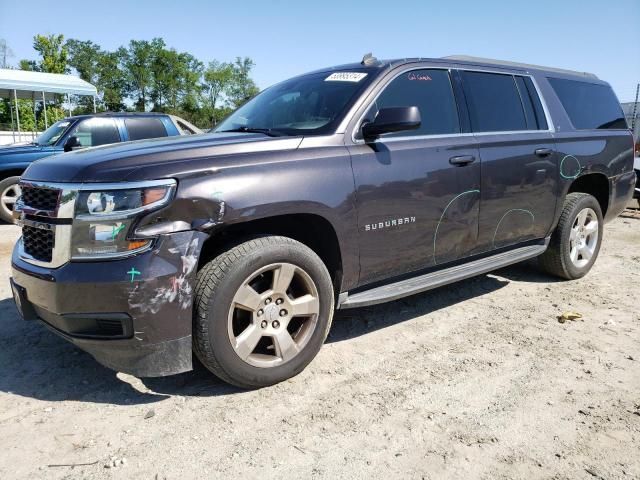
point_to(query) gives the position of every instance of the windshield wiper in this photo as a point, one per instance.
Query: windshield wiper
(267, 131)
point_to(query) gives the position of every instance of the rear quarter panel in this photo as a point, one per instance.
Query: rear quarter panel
(608, 152)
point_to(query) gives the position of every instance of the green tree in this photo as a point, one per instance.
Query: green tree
(218, 78)
(242, 88)
(5, 53)
(29, 65)
(84, 57)
(138, 59)
(102, 69)
(145, 74)
(112, 81)
(53, 52)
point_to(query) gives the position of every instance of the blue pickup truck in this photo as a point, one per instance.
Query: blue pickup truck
(80, 132)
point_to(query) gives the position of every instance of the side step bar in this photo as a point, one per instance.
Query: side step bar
(428, 281)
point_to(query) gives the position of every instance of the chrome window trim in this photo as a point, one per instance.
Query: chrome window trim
(550, 126)
(454, 135)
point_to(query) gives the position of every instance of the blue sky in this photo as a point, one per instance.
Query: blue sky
(286, 38)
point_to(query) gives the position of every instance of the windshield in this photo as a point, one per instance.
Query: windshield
(51, 135)
(309, 105)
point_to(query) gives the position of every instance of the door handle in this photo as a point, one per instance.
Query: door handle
(543, 152)
(462, 160)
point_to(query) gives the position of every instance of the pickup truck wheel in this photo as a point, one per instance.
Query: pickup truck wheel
(262, 311)
(576, 241)
(9, 193)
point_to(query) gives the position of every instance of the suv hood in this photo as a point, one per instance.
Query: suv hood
(157, 158)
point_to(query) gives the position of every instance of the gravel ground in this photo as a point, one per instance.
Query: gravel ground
(474, 380)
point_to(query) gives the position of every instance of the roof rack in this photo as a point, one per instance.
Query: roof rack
(503, 63)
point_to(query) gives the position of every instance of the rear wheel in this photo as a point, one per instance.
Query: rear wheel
(263, 310)
(9, 193)
(576, 241)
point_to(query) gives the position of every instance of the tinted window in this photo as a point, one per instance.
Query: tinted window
(494, 102)
(431, 92)
(537, 104)
(527, 104)
(141, 128)
(589, 105)
(96, 131)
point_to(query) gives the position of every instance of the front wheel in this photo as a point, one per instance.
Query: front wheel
(575, 243)
(9, 193)
(262, 311)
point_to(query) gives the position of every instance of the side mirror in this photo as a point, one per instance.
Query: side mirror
(72, 143)
(392, 119)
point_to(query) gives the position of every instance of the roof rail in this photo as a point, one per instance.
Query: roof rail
(504, 63)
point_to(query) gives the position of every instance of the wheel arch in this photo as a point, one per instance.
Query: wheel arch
(595, 184)
(312, 230)
(13, 172)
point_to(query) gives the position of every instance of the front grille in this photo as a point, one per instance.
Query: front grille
(38, 243)
(40, 198)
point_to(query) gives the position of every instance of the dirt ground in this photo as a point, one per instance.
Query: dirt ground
(473, 380)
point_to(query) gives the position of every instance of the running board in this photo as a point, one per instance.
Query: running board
(428, 281)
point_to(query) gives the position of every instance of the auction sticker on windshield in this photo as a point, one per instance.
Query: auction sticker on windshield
(345, 77)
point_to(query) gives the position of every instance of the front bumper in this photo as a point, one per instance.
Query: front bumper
(133, 315)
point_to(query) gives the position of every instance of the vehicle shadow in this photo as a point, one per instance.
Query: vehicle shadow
(36, 363)
(352, 323)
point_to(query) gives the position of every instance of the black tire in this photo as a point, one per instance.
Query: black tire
(216, 286)
(5, 210)
(556, 260)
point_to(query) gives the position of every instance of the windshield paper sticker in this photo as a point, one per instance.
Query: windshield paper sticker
(345, 77)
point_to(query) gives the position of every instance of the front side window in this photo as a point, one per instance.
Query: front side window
(52, 134)
(96, 131)
(309, 105)
(145, 127)
(494, 102)
(589, 105)
(428, 89)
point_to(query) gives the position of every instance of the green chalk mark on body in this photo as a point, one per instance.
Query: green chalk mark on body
(115, 231)
(133, 272)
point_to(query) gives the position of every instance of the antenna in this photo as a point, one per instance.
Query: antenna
(369, 59)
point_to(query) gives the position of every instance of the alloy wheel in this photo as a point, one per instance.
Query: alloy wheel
(273, 315)
(583, 239)
(9, 196)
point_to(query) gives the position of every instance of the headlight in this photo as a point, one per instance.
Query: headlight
(104, 217)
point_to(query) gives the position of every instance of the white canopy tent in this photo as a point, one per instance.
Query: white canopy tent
(39, 86)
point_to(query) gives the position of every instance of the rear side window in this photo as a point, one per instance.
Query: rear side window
(589, 105)
(429, 90)
(494, 102)
(141, 128)
(537, 104)
(96, 131)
